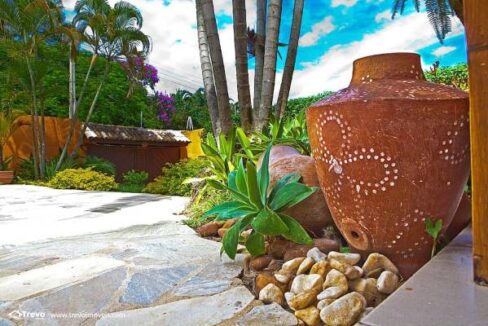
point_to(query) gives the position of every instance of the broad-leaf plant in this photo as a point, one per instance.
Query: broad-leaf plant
(260, 208)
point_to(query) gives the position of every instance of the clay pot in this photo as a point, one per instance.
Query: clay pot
(461, 219)
(6, 177)
(313, 213)
(391, 150)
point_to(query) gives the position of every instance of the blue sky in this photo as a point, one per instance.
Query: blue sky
(334, 33)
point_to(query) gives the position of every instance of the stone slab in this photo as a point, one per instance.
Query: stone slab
(268, 315)
(25, 284)
(52, 213)
(210, 310)
(440, 293)
(82, 300)
(146, 286)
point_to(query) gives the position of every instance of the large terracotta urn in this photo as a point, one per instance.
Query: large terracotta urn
(391, 150)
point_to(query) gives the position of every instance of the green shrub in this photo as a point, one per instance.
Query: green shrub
(83, 179)
(99, 165)
(208, 197)
(133, 181)
(456, 76)
(26, 171)
(170, 182)
(133, 177)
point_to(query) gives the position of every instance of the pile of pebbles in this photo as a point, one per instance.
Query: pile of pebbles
(329, 288)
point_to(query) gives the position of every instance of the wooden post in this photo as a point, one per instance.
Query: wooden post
(475, 19)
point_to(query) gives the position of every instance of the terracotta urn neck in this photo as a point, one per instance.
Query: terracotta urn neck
(393, 66)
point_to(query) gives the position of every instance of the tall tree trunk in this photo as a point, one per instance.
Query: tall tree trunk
(76, 110)
(35, 123)
(457, 6)
(259, 56)
(72, 84)
(91, 110)
(217, 65)
(476, 16)
(242, 73)
(291, 57)
(207, 73)
(269, 69)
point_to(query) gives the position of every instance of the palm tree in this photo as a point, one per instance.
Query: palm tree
(242, 74)
(258, 46)
(290, 59)
(269, 68)
(207, 72)
(116, 36)
(26, 24)
(438, 11)
(217, 64)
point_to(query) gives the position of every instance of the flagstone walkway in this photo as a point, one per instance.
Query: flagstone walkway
(71, 257)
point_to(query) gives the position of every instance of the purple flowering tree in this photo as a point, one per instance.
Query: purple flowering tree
(165, 106)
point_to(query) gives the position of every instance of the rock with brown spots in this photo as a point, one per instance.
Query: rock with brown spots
(277, 248)
(208, 230)
(305, 266)
(326, 245)
(387, 282)
(263, 279)
(296, 251)
(347, 258)
(316, 254)
(310, 316)
(302, 300)
(376, 260)
(367, 288)
(325, 302)
(322, 268)
(292, 266)
(271, 293)
(222, 231)
(344, 311)
(303, 283)
(260, 263)
(229, 223)
(354, 272)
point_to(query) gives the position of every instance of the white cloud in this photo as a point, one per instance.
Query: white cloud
(319, 30)
(347, 3)
(333, 70)
(385, 15)
(443, 50)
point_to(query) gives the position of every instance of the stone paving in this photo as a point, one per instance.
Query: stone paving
(70, 257)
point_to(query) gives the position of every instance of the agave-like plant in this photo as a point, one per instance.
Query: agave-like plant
(257, 206)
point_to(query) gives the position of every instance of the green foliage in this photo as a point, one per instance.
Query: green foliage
(171, 180)
(99, 165)
(135, 177)
(297, 105)
(222, 154)
(26, 171)
(192, 105)
(291, 132)
(133, 181)
(433, 229)
(82, 179)
(114, 106)
(205, 199)
(254, 206)
(456, 76)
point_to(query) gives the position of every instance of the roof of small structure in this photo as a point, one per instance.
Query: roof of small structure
(96, 131)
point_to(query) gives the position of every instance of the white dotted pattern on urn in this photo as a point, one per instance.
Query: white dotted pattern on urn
(448, 152)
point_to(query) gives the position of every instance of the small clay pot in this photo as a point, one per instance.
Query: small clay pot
(391, 150)
(6, 177)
